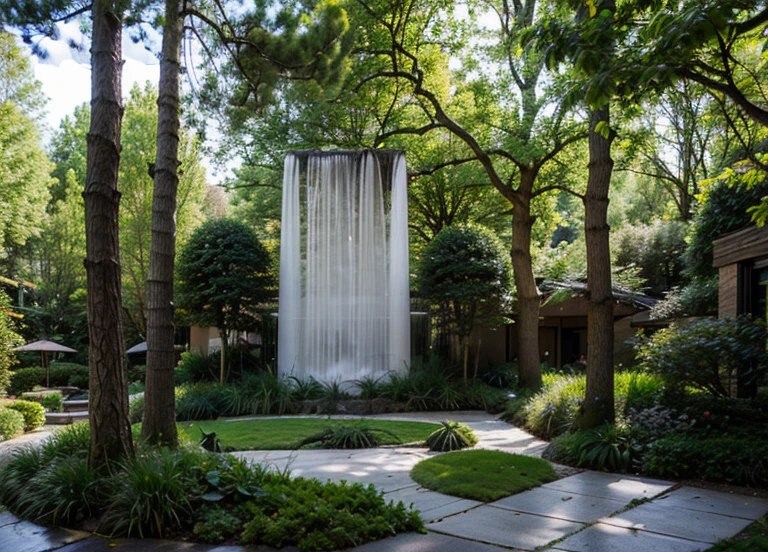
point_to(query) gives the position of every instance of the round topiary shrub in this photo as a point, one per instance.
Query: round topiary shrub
(451, 436)
(33, 412)
(11, 424)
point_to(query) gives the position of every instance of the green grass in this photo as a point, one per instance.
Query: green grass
(483, 475)
(752, 539)
(287, 433)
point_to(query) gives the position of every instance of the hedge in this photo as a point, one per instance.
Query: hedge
(33, 412)
(11, 424)
(62, 374)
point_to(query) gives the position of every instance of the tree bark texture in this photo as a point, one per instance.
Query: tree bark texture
(528, 299)
(598, 403)
(159, 424)
(108, 395)
(224, 336)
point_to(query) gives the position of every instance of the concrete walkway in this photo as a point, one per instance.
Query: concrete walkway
(586, 512)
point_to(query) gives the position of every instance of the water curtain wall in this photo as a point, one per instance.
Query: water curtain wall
(344, 283)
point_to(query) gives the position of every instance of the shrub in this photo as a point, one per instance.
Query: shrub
(195, 368)
(696, 354)
(62, 491)
(9, 339)
(502, 377)
(50, 401)
(347, 437)
(736, 461)
(305, 390)
(137, 374)
(62, 375)
(370, 387)
(151, 493)
(608, 448)
(26, 379)
(318, 517)
(33, 412)
(451, 436)
(136, 409)
(11, 423)
(201, 401)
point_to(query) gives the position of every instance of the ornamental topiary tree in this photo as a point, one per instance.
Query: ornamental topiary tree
(223, 278)
(466, 273)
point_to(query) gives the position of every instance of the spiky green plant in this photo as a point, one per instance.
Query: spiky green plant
(451, 436)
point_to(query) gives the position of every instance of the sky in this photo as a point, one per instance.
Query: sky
(66, 73)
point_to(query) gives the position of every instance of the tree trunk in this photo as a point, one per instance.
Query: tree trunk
(108, 395)
(159, 398)
(477, 358)
(466, 358)
(528, 301)
(598, 402)
(223, 335)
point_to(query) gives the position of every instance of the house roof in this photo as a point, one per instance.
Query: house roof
(638, 301)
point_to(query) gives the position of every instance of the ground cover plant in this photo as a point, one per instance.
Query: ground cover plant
(288, 433)
(483, 475)
(752, 539)
(193, 494)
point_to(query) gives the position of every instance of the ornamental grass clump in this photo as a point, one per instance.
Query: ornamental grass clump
(451, 436)
(348, 437)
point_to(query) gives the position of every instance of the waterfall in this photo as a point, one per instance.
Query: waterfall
(344, 283)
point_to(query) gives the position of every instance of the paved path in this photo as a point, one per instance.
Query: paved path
(586, 512)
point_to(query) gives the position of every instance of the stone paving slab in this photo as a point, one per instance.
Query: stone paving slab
(505, 528)
(703, 500)
(431, 505)
(612, 486)
(560, 505)
(28, 537)
(606, 538)
(431, 542)
(679, 522)
(96, 544)
(6, 518)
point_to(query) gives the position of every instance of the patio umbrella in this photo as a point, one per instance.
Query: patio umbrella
(140, 348)
(45, 347)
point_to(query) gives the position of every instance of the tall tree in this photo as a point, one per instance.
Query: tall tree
(521, 123)
(159, 400)
(108, 390)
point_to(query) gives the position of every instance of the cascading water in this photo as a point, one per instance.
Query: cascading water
(344, 283)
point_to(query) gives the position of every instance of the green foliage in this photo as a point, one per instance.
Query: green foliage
(214, 524)
(201, 401)
(724, 211)
(195, 368)
(451, 436)
(738, 461)
(370, 387)
(606, 448)
(696, 354)
(151, 493)
(11, 424)
(484, 475)
(52, 402)
(62, 375)
(306, 390)
(657, 249)
(318, 517)
(223, 276)
(466, 272)
(136, 409)
(9, 339)
(551, 411)
(33, 412)
(348, 437)
(502, 377)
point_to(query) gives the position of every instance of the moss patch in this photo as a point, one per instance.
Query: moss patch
(483, 475)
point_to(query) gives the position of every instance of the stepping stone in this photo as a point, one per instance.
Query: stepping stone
(505, 528)
(612, 486)
(431, 542)
(606, 538)
(678, 522)
(560, 505)
(28, 537)
(431, 505)
(73, 406)
(703, 500)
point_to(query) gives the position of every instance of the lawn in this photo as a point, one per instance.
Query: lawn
(286, 433)
(484, 475)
